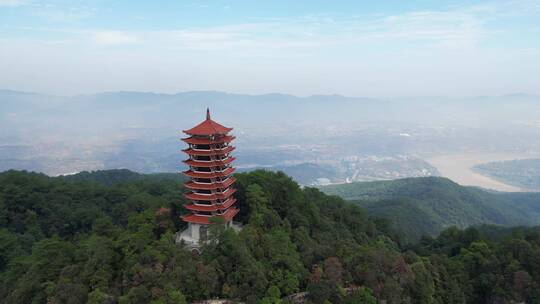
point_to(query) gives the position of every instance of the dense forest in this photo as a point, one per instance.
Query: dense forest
(428, 205)
(108, 239)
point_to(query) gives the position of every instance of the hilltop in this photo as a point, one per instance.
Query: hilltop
(119, 176)
(102, 238)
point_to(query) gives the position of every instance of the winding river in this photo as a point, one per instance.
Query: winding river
(458, 167)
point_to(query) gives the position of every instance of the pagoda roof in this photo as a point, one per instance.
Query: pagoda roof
(225, 150)
(210, 197)
(207, 141)
(212, 163)
(213, 174)
(205, 220)
(208, 127)
(214, 207)
(210, 186)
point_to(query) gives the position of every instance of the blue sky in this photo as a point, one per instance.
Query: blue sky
(358, 48)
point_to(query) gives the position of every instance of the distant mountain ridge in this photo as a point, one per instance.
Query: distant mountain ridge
(140, 130)
(426, 206)
(118, 109)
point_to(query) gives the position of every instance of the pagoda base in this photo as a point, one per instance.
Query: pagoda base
(195, 235)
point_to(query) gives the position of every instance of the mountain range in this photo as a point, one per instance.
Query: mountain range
(140, 130)
(181, 110)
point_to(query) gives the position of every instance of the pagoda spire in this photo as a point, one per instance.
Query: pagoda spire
(207, 113)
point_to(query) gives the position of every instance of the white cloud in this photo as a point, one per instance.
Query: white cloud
(447, 51)
(114, 38)
(58, 14)
(453, 28)
(13, 3)
(427, 29)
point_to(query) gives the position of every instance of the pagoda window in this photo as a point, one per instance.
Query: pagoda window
(203, 158)
(208, 203)
(202, 169)
(201, 147)
(204, 213)
(199, 191)
(203, 180)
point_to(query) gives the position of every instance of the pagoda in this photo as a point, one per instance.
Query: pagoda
(210, 185)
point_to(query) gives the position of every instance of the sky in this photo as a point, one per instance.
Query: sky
(302, 47)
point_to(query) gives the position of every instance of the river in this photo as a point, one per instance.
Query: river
(458, 167)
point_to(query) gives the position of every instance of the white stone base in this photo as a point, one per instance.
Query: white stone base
(193, 237)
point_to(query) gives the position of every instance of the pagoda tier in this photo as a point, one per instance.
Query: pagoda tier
(205, 220)
(213, 152)
(213, 174)
(208, 128)
(211, 186)
(210, 197)
(209, 163)
(206, 141)
(209, 208)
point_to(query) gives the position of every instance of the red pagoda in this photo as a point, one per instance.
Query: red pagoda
(210, 182)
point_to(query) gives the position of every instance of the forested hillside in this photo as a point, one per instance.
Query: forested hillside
(418, 206)
(80, 241)
(118, 176)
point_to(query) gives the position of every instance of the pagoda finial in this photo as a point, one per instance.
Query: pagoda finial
(207, 113)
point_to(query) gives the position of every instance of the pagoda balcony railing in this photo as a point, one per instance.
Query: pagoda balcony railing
(203, 193)
(201, 183)
(196, 171)
(209, 149)
(210, 186)
(217, 213)
(211, 207)
(212, 160)
(211, 163)
(203, 205)
(201, 141)
(212, 193)
(194, 196)
(214, 182)
(212, 174)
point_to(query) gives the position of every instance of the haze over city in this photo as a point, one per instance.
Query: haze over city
(327, 92)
